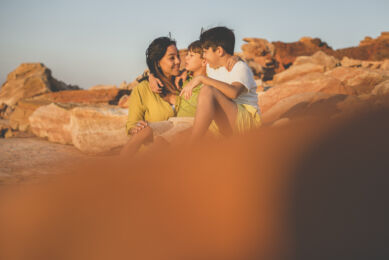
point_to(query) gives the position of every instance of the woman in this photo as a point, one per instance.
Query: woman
(147, 106)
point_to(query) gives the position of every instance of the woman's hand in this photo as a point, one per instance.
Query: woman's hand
(232, 61)
(139, 127)
(186, 92)
(155, 84)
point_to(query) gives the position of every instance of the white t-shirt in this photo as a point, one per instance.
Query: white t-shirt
(241, 73)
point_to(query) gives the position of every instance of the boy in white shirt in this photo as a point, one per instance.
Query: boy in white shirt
(227, 97)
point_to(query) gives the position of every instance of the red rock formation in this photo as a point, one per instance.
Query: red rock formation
(29, 80)
(19, 117)
(286, 53)
(99, 96)
(368, 49)
(266, 59)
(313, 82)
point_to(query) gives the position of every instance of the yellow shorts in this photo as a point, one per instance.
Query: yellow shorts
(246, 119)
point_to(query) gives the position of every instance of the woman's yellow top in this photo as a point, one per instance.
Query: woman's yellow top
(149, 106)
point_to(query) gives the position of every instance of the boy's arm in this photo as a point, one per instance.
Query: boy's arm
(231, 91)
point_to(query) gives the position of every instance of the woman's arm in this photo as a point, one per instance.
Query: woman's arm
(136, 111)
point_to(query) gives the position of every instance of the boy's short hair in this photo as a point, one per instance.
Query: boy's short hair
(196, 47)
(218, 36)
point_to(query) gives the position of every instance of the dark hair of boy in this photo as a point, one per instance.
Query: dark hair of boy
(218, 37)
(196, 47)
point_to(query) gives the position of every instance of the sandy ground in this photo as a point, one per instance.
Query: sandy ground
(28, 158)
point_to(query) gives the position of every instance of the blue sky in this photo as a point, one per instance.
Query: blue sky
(89, 42)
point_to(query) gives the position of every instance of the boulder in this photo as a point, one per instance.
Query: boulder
(381, 89)
(260, 56)
(256, 47)
(313, 82)
(19, 117)
(98, 87)
(5, 128)
(5, 111)
(296, 71)
(29, 80)
(319, 58)
(361, 79)
(288, 52)
(52, 122)
(383, 65)
(123, 85)
(98, 129)
(301, 105)
(123, 102)
(369, 49)
(98, 96)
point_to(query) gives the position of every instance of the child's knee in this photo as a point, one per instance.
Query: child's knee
(206, 89)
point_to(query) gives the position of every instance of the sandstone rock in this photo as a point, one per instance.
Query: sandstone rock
(296, 71)
(9, 133)
(313, 82)
(288, 52)
(52, 122)
(368, 50)
(19, 117)
(123, 102)
(99, 87)
(5, 128)
(361, 79)
(99, 96)
(347, 62)
(385, 65)
(309, 104)
(5, 111)
(381, 89)
(354, 106)
(368, 40)
(28, 80)
(267, 59)
(257, 47)
(123, 85)
(259, 55)
(320, 58)
(98, 129)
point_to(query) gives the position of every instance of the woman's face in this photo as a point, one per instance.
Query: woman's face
(170, 62)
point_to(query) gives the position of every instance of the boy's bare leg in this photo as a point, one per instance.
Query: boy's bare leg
(213, 105)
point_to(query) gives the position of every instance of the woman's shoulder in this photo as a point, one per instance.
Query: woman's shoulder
(142, 86)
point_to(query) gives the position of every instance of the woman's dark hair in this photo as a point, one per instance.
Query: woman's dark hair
(154, 54)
